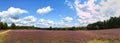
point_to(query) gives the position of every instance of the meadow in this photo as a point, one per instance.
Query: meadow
(63, 36)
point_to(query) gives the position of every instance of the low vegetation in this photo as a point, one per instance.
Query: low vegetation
(99, 41)
(59, 36)
(3, 36)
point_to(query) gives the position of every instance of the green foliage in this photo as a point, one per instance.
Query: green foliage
(113, 22)
(13, 26)
(1, 25)
(5, 26)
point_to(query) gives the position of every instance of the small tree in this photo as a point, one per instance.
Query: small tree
(13, 26)
(50, 28)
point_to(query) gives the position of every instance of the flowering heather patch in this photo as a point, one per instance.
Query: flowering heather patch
(60, 36)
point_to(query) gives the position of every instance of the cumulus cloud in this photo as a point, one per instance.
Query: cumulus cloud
(47, 23)
(44, 23)
(110, 8)
(68, 19)
(44, 10)
(96, 10)
(12, 15)
(85, 12)
(12, 12)
(27, 21)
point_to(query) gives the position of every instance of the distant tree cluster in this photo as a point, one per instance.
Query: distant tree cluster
(113, 22)
(63, 28)
(4, 26)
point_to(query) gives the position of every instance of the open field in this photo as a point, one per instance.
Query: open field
(61, 36)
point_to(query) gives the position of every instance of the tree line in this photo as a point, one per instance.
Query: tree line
(4, 26)
(62, 28)
(113, 22)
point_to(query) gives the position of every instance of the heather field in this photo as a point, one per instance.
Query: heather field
(63, 36)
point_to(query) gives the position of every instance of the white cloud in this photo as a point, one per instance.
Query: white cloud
(41, 20)
(110, 8)
(12, 15)
(12, 12)
(67, 19)
(61, 24)
(50, 22)
(47, 23)
(44, 10)
(29, 19)
(89, 12)
(26, 21)
(44, 23)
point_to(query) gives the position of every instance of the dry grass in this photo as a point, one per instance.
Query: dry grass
(3, 35)
(99, 41)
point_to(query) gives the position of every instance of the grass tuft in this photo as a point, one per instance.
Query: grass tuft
(99, 41)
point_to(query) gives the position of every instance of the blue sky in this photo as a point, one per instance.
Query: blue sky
(56, 13)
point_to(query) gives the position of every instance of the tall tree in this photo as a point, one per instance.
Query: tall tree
(13, 26)
(1, 25)
(5, 26)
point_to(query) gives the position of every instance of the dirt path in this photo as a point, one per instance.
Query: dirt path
(3, 35)
(5, 32)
